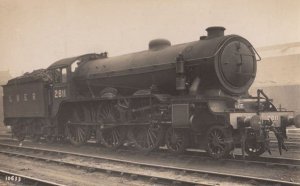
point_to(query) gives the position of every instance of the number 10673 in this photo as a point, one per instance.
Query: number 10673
(13, 178)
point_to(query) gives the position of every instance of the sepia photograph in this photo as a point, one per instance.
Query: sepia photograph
(149, 92)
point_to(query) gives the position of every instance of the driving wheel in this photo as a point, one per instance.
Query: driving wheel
(177, 141)
(219, 142)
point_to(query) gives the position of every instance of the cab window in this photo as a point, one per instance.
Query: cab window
(57, 75)
(60, 75)
(64, 75)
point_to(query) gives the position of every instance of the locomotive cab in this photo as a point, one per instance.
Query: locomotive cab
(63, 71)
(60, 86)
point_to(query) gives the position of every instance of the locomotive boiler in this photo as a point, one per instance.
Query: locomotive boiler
(191, 95)
(219, 62)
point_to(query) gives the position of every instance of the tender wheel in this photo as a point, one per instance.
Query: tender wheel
(50, 139)
(35, 137)
(176, 141)
(147, 138)
(19, 131)
(254, 148)
(34, 129)
(98, 135)
(50, 136)
(219, 142)
(113, 136)
(77, 134)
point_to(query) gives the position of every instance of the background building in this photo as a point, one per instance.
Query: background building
(278, 75)
(4, 77)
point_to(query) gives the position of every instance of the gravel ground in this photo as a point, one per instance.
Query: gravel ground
(61, 174)
(3, 129)
(4, 183)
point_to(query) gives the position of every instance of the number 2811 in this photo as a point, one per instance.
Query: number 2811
(60, 93)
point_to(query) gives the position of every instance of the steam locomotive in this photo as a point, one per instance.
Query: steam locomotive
(191, 95)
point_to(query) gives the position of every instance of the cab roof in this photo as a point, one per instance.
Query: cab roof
(69, 61)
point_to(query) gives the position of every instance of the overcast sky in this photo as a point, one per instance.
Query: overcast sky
(35, 33)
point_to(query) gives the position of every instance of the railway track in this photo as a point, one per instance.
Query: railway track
(269, 161)
(54, 156)
(201, 154)
(18, 179)
(293, 141)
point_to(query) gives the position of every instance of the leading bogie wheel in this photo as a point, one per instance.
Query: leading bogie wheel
(252, 147)
(219, 142)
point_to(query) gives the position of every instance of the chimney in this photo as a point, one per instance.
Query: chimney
(215, 31)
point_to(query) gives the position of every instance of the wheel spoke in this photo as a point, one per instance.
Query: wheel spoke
(118, 137)
(112, 137)
(146, 138)
(147, 144)
(78, 135)
(220, 147)
(115, 136)
(80, 131)
(150, 138)
(176, 141)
